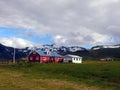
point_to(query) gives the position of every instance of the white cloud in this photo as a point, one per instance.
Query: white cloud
(16, 42)
(96, 3)
(60, 39)
(71, 22)
(100, 39)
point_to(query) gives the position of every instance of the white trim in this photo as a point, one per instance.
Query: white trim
(73, 58)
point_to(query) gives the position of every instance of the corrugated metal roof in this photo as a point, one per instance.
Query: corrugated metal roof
(40, 52)
(54, 54)
(74, 56)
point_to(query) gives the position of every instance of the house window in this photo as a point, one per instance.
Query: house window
(44, 58)
(31, 58)
(37, 58)
(76, 59)
(34, 52)
(52, 58)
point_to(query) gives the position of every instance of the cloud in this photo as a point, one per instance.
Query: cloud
(77, 38)
(96, 3)
(70, 22)
(16, 42)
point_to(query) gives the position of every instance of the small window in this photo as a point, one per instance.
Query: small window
(44, 58)
(76, 59)
(34, 52)
(37, 58)
(31, 58)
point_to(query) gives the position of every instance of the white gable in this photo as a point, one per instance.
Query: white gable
(72, 58)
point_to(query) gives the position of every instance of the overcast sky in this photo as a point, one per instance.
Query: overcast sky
(63, 22)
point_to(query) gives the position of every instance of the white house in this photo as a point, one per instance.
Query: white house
(72, 58)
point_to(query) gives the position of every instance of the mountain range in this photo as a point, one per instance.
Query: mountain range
(96, 52)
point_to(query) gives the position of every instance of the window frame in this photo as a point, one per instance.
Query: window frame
(37, 58)
(31, 58)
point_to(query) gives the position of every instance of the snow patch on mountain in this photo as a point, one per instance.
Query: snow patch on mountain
(105, 46)
(58, 48)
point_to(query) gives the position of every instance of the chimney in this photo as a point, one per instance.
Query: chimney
(48, 52)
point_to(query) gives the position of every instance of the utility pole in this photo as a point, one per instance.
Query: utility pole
(14, 55)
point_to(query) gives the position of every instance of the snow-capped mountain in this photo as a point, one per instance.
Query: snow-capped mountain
(105, 46)
(7, 52)
(71, 49)
(59, 48)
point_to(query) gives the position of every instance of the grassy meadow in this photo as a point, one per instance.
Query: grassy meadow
(90, 75)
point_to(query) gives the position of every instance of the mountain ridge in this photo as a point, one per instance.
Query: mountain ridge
(96, 52)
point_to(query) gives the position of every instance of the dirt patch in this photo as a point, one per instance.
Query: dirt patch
(115, 80)
(54, 84)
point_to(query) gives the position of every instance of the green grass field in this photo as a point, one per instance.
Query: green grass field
(90, 75)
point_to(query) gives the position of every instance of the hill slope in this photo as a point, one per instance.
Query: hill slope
(6, 53)
(96, 52)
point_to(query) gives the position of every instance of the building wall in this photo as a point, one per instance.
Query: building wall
(52, 59)
(77, 60)
(56, 59)
(67, 59)
(44, 59)
(34, 57)
(72, 59)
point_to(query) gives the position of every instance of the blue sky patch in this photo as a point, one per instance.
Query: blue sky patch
(25, 34)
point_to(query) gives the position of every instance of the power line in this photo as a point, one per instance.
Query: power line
(14, 55)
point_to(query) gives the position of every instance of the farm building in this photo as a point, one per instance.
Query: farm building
(55, 57)
(44, 57)
(106, 59)
(72, 58)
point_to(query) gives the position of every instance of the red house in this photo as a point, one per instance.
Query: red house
(42, 57)
(55, 57)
